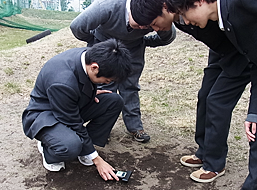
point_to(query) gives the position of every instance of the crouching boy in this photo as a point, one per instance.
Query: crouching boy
(65, 97)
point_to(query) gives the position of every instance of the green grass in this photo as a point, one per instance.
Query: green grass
(34, 21)
(8, 71)
(13, 37)
(12, 88)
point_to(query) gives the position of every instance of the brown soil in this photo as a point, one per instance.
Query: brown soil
(171, 69)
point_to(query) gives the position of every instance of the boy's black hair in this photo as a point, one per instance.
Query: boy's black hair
(145, 11)
(113, 59)
(176, 6)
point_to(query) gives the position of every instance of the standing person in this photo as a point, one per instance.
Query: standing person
(105, 19)
(65, 96)
(224, 81)
(237, 18)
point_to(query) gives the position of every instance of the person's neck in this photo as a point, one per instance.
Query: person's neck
(176, 17)
(213, 11)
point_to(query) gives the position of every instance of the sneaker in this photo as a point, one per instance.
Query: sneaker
(54, 167)
(140, 136)
(85, 161)
(191, 161)
(204, 176)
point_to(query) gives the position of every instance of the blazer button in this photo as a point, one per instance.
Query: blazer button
(228, 29)
(245, 52)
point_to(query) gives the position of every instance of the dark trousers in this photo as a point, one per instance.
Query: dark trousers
(129, 90)
(251, 180)
(216, 100)
(61, 143)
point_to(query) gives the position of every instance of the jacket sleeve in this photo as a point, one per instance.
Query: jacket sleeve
(250, 6)
(252, 110)
(161, 38)
(84, 24)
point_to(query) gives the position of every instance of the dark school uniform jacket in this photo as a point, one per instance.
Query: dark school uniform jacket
(240, 25)
(61, 90)
(239, 20)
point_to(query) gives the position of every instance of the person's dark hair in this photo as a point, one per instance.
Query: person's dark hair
(145, 11)
(176, 6)
(113, 59)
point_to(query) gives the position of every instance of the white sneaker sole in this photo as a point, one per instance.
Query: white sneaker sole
(206, 180)
(190, 165)
(51, 167)
(85, 163)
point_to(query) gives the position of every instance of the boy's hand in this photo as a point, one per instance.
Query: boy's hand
(101, 92)
(250, 129)
(104, 169)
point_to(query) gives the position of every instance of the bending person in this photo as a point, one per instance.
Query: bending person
(223, 83)
(105, 19)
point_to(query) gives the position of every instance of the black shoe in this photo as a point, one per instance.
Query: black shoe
(140, 136)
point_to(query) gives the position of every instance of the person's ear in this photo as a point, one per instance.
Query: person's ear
(201, 2)
(131, 20)
(94, 67)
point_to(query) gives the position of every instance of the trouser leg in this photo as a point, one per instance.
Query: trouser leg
(129, 89)
(129, 92)
(60, 143)
(211, 73)
(221, 101)
(251, 180)
(102, 117)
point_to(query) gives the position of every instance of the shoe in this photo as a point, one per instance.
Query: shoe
(85, 161)
(191, 161)
(54, 167)
(204, 176)
(140, 136)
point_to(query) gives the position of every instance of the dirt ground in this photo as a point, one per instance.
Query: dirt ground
(172, 73)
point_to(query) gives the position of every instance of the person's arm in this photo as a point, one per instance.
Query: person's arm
(84, 24)
(161, 38)
(251, 120)
(105, 170)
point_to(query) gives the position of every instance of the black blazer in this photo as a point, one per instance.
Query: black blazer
(61, 90)
(240, 25)
(239, 20)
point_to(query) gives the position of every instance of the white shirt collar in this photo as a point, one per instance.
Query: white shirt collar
(83, 62)
(127, 11)
(219, 14)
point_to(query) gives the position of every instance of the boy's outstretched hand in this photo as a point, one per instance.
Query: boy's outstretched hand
(250, 129)
(104, 169)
